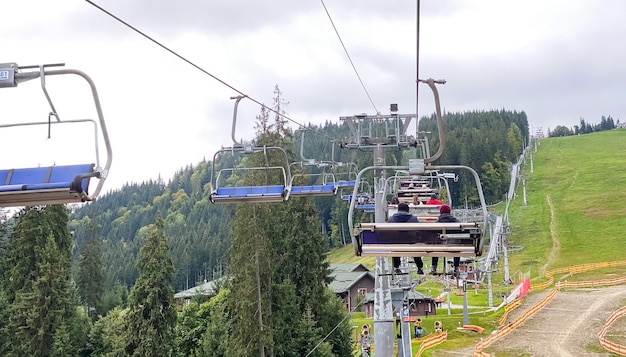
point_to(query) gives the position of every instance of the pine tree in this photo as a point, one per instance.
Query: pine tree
(152, 317)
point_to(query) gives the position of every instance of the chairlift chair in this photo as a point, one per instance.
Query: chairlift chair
(269, 182)
(345, 172)
(56, 184)
(327, 186)
(310, 177)
(463, 239)
(273, 189)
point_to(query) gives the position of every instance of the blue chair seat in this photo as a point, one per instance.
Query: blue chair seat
(314, 190)
(45, 185)
(271, 193)
(346, 184)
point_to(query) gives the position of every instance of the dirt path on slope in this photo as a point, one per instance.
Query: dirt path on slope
(556, 244)
(567, 326)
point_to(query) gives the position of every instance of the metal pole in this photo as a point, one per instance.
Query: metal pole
(524, 184)
(417, 67)
(505, 254)
(465, 313)
(490, 299)
(383, 306)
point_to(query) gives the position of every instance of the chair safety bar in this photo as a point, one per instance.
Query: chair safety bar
(419, 239)
(417, 210)
(275, 193)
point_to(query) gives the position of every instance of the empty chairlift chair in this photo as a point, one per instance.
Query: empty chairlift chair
(55, 184)
(264, 183)
(263, 176)
(310, 177)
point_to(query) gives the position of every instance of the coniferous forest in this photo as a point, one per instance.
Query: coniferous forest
(99, 280)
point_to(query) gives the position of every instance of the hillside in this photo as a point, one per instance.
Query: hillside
(583, 178)
(200, 232)
(574, 216)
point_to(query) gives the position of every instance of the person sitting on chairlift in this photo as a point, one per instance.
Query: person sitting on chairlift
(445, 216)
(404, 216)
(434, 200)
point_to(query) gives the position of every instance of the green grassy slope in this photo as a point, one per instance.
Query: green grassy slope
(583, 179)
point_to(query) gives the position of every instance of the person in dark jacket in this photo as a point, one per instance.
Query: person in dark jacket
(445, 216)
(404, 216)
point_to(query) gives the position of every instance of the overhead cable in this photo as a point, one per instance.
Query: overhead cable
(349, 58)
(196, 66)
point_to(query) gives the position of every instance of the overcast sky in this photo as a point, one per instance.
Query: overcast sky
(556, 60)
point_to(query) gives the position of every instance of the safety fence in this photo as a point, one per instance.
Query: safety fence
(478, 351)
(508, 308)
(608, 345)
(575, 270)
(430, 341)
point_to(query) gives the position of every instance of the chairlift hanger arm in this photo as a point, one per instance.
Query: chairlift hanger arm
(441, 129)
(232, 133)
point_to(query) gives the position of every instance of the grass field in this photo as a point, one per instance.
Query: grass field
(575, 214)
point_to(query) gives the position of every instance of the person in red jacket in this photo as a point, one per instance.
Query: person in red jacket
(434, 200)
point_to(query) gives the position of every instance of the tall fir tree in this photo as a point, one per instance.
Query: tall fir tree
(39, 291)
(152, 317)
(277, 266)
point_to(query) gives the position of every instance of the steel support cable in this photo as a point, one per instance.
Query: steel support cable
(195, 65)
(349, 58)
(349, 314)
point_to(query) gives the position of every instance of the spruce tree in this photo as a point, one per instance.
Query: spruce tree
(277, 266)
(38, 287)
(151, 318)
